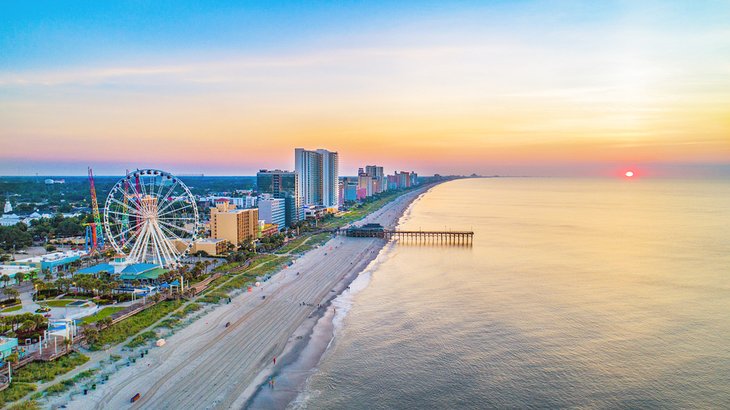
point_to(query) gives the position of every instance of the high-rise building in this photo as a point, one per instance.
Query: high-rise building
(283, 185)
(330, 178)
(234, 225)
(349, 189)
(365, 182)
(318, 176)
(308, 164)
(379, 181)
(272, 210)
(402, 180)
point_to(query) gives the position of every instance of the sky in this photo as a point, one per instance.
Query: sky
(579, 88)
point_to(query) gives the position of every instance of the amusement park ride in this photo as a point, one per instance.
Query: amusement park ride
(94, 231)
(150, 216)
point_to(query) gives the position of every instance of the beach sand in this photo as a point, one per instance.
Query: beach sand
(207, 365)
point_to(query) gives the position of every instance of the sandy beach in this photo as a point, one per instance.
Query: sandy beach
(208, 365)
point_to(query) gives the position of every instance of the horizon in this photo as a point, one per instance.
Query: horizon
(537, 88)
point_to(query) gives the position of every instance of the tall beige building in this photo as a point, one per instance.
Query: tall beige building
(234, 225)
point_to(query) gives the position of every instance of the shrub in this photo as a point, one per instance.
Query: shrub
(26, 405)
(15, 391)
(142, 338)
(46, 371)
(120, 331)
(192, 307)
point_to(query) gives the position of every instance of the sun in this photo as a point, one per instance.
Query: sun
(629, 174)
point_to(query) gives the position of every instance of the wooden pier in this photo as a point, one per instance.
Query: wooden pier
(458, 238)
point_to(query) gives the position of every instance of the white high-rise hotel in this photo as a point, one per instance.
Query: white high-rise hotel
(318, 176)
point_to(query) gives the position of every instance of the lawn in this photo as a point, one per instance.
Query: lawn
(12, 308)
(57, 303)
(106, 312)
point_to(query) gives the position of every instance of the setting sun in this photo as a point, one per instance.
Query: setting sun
(629, 174)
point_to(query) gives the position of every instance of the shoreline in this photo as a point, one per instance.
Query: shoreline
(303, 353)
(209, 363)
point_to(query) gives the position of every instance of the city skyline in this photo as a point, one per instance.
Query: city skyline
(509, 88)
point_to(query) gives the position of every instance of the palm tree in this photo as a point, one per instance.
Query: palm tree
(6, 279)
(28, 326)
(11, 293)
(47, 275)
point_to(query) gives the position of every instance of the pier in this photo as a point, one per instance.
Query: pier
(459, 238)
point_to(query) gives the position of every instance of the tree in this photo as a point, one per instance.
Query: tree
(105, 322)
(90, 334)
(11, 293)
(15, 237)
(38, 285)
(69, 227)
(28, 326)
(6, 279)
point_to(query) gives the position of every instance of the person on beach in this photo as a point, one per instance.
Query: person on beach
(274, 359)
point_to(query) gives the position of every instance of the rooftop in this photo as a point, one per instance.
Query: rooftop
(55, 256)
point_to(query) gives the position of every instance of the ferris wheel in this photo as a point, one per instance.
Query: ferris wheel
(151, 217)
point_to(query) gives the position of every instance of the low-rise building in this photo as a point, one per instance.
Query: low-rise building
(211, 246)
(268, 229)
(8, 346)
(54, 262)
(12, 271)
(272, 210)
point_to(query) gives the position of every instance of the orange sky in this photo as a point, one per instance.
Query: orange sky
(424, 95)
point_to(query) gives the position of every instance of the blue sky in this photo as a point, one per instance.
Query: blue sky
(491, 86)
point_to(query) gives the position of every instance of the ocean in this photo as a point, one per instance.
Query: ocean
(576, 293)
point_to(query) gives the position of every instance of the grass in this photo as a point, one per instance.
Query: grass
(12, 308)
(119, 332)
(58, 303)
(15, 391)
(26, 405)
(169, 323)
(104, 313)
(260, 267)
(60, 387)
(64, 385)
(213, 297)
(46, 371)
(227, 266)
(142, 338)
(191, 307)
